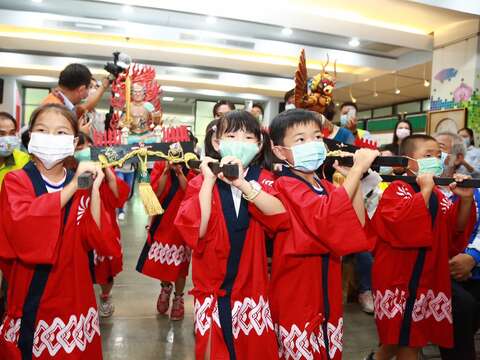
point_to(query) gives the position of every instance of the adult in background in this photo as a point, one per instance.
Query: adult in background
(471, 162)
(96, 119)
(403, 129)
(348, 119)
(453, 151)
(11, 158)
(463, 266)
(73, 88)
(222, 107)
(333, 131)
(289, 99)
(257, 111)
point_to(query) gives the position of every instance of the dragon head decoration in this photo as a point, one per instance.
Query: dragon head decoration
(314, 94)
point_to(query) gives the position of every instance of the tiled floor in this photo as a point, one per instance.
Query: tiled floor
(136, 332)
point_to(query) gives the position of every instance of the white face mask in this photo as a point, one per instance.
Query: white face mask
(289, 106)
(402, 133)
(51, 149)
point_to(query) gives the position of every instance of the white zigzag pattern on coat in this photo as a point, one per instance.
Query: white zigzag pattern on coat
(297, 345)
(392, 303)
(247, 315)
(169, 254)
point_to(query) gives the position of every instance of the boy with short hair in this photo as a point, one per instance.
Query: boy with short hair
(418, 230)
(326, 223)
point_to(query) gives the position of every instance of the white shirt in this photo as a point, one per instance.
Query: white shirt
(68, 104)
(237, 196)
(54, 186)
(473, 158)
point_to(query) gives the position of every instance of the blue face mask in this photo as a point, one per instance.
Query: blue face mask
(309, 156)
(83, 155)
(8, 144)
(343, 120)
(385, 170)
(430, 165)
(244, 151)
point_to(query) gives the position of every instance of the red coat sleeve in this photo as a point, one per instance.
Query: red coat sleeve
(108, 197)
(402, 218)
(330, 222)
(103, 239)
(271, 223)
(157, 171)
(30, 225)
(189, 214)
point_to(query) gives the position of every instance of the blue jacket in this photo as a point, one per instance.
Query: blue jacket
(473, 248)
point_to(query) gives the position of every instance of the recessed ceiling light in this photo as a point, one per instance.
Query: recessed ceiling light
(397, 91)
(354, 42)
(127, 9)
(211, 20)
(426, 83)
(287, 31)
(375, 94)
(168, 98)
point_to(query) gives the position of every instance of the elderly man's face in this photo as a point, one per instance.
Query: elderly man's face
(446, 143)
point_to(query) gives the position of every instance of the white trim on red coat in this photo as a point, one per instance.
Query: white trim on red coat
(298, 345)
(390, 304)
(247, 315)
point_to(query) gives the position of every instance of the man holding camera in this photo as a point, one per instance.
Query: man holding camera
(73, 87)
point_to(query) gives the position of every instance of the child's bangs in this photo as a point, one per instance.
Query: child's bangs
(239, 120)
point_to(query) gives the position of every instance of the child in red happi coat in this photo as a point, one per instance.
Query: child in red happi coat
(224, 222)
(166, 256)
(326, 223)
(47, 228)
(418, 230)
(114, 193)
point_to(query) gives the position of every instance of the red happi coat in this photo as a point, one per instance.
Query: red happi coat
(410, 275)
(165, 255)
(107, 267)
(306, 281)
(52, 312)
(251, 330)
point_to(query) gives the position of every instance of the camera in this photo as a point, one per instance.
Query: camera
(121, 61)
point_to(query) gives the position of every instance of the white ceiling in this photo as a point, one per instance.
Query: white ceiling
(244, 52)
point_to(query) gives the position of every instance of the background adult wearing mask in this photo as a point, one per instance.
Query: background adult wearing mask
(453, 152)
(289, 99)
(11, 158)
(403, 129)
(465, 289)
(73, 87)
(348, 120)
(471, 162)
(333, 131)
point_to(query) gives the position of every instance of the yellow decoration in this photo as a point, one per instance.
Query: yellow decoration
(148, 196)
(128, 94)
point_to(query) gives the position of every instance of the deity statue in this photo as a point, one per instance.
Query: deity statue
(136, 96)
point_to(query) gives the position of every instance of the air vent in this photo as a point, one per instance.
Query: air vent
(216, 41)
(380, 47)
